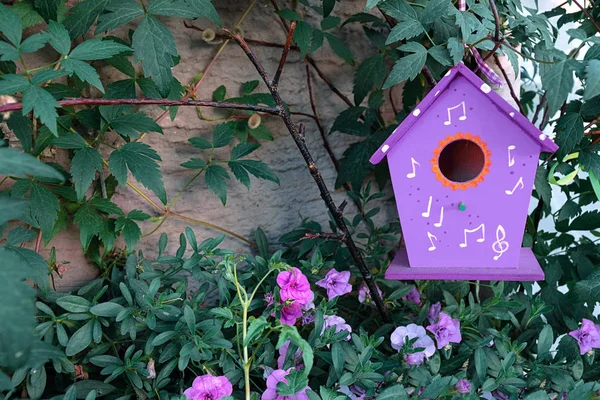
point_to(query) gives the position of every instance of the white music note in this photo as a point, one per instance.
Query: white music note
(439, 224)
(461, 118)
(412, 174)
(426, 213)
(481, 239)
(431, 237)
(511, 160)
(519, 182)
(500, 246)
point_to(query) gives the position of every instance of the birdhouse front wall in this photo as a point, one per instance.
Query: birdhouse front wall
(462, 179)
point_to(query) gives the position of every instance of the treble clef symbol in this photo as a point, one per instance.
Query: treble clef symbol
(500, 246)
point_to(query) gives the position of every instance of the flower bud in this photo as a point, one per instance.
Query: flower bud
(254, 121)
(4, 100)
(208, 35)
(237, 31)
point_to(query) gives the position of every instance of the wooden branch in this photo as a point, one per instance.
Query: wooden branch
(147, 101)
(587, 14)
(316, 174)
(509, 84)
(284, 54)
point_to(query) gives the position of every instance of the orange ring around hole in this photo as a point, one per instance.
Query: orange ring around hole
(462, 185)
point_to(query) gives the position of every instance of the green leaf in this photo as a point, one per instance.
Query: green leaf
(89, 223)
(407, 67)
(23, 130)
(97, 49)
(587, 221)
(107, 309)
(330, 22)
(200, 143)
(84, 71)
(74, 304)
(44, 208)
(204, 9)
(194, 163)
(215, 180)
(80, 340)
(542, 186)
(480, 364)
(11, 84)
(588, 289)
(131, 230)
(84, 165)
(302, 36)
(34, 42)
(545, 341)
(592, 80)
(69, 141)
(47, 75)
(11, 208)
(396, 392)
(8, 52)
(557, 81)
(590, 159)
(339, 48)
(59, 38)
(256, 327)
(130, 124)
(154, 46)
(220, 93)
(257, 168)
(242, 150)
(441, 55)
(368, 75)
(48, 9)
(120, 13)
(406, 29)
(290, 15)
(163, 338)
(83, 15)
(328, 6)
(170, 8)
(43, 105)
(569, 132)
(398, 9)
(435, 9)
(371, 3)
(223, 134)
(29, 17)
(247, 87)
(456, 50)
(190, 319)
(10, 25)
(141, 161)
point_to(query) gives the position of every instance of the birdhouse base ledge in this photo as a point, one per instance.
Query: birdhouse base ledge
(527, 270)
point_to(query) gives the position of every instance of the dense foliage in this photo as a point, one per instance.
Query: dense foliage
(290, 313)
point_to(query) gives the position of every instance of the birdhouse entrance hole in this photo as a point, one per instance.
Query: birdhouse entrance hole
(461, 160)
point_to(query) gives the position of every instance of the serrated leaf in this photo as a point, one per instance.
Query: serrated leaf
(371, 3)
(542, 186)
(441, 55)
(204, 9)
(48, 9)
(89, 223)
(84, 165)
(194, 163)
(223, 134)
(215, 180)
(10, 25)
(69, 141)
(34, 42)
(408, 67)
(105, 205)
(59, 38)
(592, 80)
(97, 49)
(11, 84)
(456, 50)
(569, 132)
(242, 150)
(257, 168)
(21, 165)
(43, 105)
(406, 29)
(590, 159)
(8, 52)
(219, 93)
(11, 208)
(120, 13)
(200, 143)
(247, 87)
(368, 75)
(23, 130)
(82, 16)
(44, 208)
(170, 8)
(398, 9)
(84, 71)
(154, 46)
(36, 266)
(588, 289)
(302, 36)
(130, 124)
(28, 15)
(339, 48)
(557, 81)
(435, 10)
(140, 159)
(47, 75)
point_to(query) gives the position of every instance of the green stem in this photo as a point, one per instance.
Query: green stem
(29, 71)
(429, 37)
(162, 221)
(178, 195)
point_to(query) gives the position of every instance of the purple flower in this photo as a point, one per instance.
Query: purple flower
(399, 339)
(434, 312)
(353, 392)
(269, 299)
(290, 312)
(462, 386)
(294, 286)
(447, 330)
(336, 283)
(498, 395)
(271, 393)
(283, 353)
(209, 387)
(588, 336)
(339, 323)
(364, 294)
(308, 318)
(413, 296)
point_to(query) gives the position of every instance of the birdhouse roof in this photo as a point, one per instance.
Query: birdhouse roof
(503, 107)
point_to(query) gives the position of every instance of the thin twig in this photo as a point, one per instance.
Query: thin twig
(315, 173)
(326, 236)
(539, 108)
(284, 54)
(587, 14)
(509, 84)
(322, 75)
(146, 101)
(497, 41)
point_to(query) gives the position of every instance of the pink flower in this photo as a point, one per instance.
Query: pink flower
(403, 334)
(283, 353)
(588, 336)
(271, 393)
(413, 296)
(446, 331)
(434, 312)
(364, 294)
(339, 323)
(61, 268)
(294, 286)
(463, 386)
(336, 283)
(290, 312)
(209, 387)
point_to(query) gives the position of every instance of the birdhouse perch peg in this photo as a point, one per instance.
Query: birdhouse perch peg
(462, 167)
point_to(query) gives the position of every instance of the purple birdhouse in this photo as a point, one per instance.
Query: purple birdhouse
(463, 165)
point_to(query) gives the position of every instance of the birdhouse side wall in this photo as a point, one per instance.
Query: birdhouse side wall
(488, 233)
